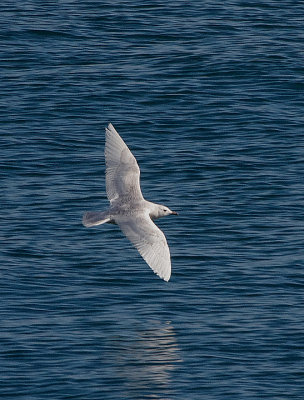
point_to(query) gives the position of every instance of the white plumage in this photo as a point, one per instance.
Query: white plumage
(129, 209)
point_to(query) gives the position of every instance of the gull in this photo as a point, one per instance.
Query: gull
(128, 208)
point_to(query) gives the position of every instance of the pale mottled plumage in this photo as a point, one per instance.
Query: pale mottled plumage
(129, 209)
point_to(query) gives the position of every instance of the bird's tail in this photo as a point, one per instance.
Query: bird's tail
(93, 218)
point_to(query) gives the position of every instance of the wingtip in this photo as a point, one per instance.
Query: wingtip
(165, 278)
(110, 126)
(110, 130)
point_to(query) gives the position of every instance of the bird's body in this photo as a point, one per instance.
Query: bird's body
(128, 208)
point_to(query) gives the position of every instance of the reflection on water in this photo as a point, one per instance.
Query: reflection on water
(145, 361)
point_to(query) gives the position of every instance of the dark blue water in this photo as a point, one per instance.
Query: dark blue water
(209, 97)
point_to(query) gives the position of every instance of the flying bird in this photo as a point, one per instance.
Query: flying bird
(128, 208)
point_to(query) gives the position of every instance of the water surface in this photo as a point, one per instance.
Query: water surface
(209, 97)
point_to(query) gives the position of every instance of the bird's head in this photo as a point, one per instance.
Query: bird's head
(161, 211)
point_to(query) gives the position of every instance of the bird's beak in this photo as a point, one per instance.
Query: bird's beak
(174, 213)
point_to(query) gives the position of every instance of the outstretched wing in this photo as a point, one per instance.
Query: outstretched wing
(150, 241)
(122, 171)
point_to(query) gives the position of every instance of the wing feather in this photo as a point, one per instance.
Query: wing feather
(150, 242)
(122, 171)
